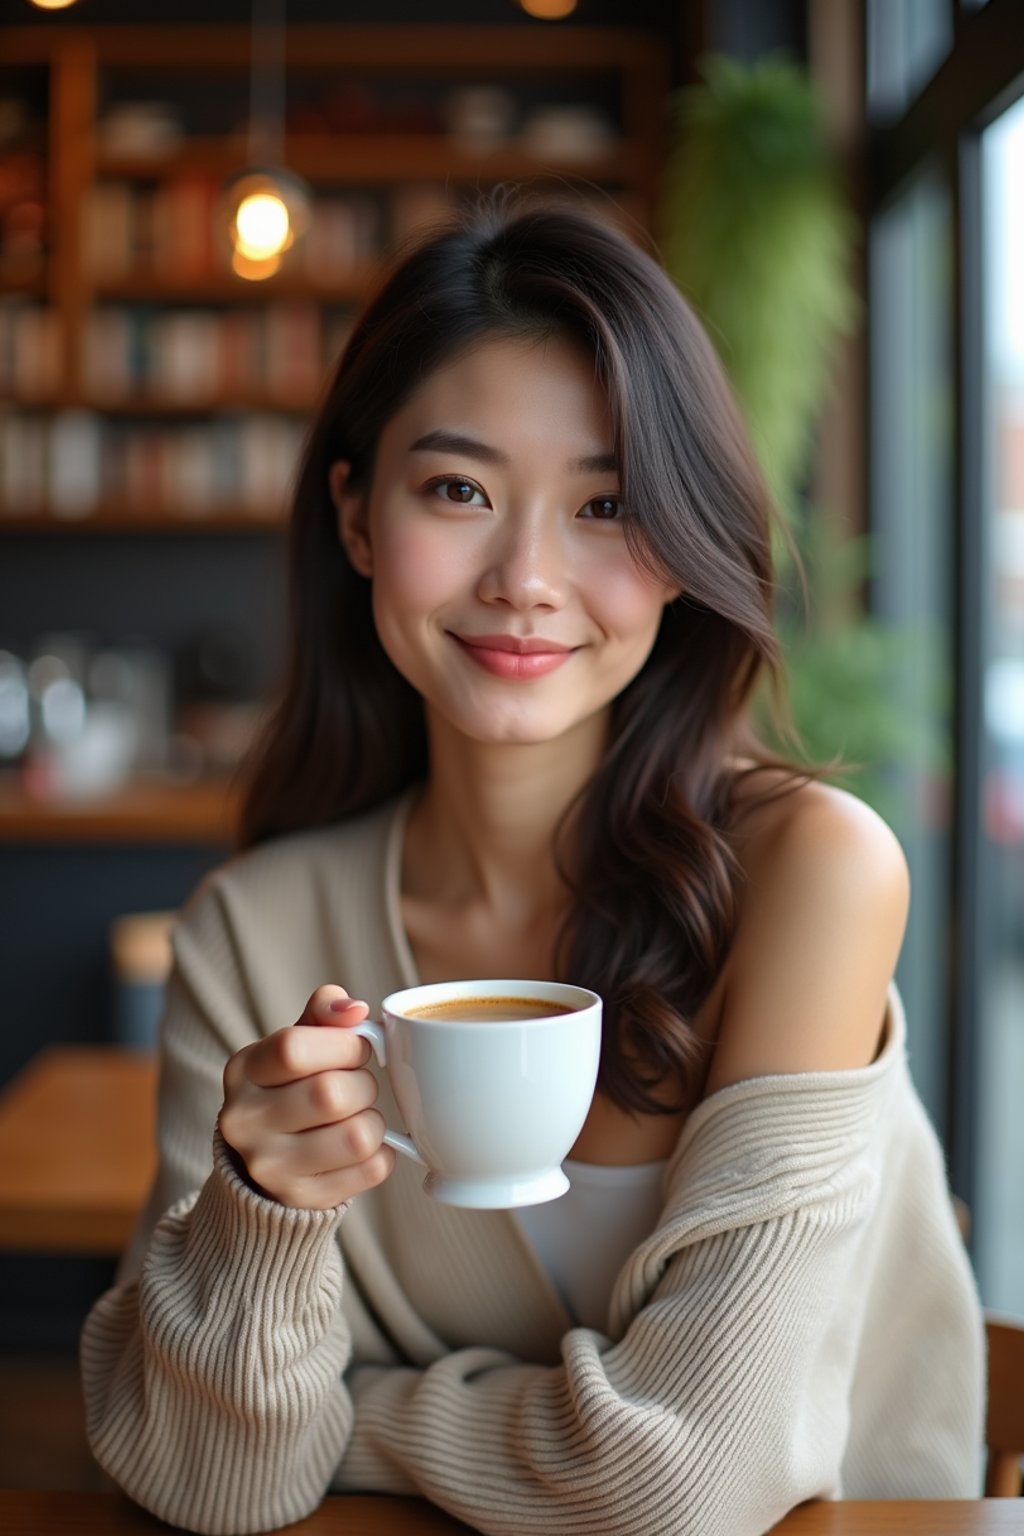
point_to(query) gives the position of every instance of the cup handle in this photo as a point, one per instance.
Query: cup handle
(373, 1032)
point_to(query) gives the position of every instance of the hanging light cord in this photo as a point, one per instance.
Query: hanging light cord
(267, 82)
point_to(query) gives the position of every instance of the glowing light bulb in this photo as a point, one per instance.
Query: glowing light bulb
(254, 271)
(51, 5)
(262, 225)
(548, 10)
(261, 215)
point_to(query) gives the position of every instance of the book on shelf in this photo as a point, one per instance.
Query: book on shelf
(72, 464)
(31, 349)
(345, 237)
(168, 230)
(23, 470)
(195, 356)
(178, 225)
(177, 231)
(109, 238)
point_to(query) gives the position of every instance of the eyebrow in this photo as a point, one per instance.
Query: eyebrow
(456, 442)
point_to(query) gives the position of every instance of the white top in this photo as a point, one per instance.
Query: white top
(585, 1236)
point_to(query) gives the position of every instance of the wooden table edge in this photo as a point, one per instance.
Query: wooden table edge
(33, 1512)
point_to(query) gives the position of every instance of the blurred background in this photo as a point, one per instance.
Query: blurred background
(193, 199)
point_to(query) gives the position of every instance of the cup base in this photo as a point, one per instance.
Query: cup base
(496, 1194)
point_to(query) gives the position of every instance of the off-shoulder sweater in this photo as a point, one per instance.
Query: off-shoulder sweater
(801, 1322)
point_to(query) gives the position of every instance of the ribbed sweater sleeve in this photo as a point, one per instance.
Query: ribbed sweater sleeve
(725, 1400)
(212, 1370)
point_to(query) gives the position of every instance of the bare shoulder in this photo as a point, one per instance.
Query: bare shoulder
(823, 913)
(817, 829)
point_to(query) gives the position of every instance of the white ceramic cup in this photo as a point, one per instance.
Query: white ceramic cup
(491, 1107)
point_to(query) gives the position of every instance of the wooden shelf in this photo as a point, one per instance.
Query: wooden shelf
(153, 405)
(199, 405)
(140, 812)
(356, 159)
(129, 520)
(227, 289)
(459, 50)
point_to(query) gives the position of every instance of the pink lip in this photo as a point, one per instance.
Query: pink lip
(513, 643)
(513, 664)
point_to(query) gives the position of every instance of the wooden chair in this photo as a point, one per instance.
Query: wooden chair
(1004, 1429)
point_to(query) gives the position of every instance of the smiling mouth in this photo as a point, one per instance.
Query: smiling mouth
(515, 666)
(526, 646)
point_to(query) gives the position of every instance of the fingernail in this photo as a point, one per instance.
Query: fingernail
(341, 1003)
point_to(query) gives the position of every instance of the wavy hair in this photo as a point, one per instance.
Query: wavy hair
(651, 863)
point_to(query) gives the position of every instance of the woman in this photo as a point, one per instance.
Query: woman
(755, 1292)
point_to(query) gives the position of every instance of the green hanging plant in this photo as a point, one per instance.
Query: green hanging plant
(756, 235)
(753, 229)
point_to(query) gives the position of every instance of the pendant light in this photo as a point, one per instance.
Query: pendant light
(267, 207)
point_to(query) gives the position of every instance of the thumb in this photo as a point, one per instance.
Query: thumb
(332, 1005)
(342, 1009)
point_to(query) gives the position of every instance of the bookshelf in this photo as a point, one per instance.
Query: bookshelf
(129, 309)
(179, 391)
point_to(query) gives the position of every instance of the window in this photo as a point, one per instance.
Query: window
(945, 102)
(910, 277)
(907, 41)
(1000, 1198)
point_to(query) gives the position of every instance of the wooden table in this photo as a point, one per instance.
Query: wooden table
(910, 1517)
(25, 1512)
(77, 1149)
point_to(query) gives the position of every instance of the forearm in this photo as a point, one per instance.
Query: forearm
(213, 1382)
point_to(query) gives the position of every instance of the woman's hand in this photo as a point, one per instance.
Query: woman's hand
(298, 1108)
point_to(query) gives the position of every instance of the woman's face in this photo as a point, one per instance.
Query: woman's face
(518, 542)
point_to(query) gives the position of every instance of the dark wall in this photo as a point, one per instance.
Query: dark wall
(746, 29)
(58, 905)
(166, 587)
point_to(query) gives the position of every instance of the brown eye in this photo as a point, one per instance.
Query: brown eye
(460, 485)
(603, 515)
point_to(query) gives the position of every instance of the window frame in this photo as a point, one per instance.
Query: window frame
(980, 77)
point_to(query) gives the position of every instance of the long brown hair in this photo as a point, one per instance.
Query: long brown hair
(652, 871)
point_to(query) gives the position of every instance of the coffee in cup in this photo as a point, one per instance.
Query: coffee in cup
(494, 1080)
(488, 1010)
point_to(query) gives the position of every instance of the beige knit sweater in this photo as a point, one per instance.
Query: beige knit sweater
(803, 1322)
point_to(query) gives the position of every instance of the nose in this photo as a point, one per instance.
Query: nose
(526, 564)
